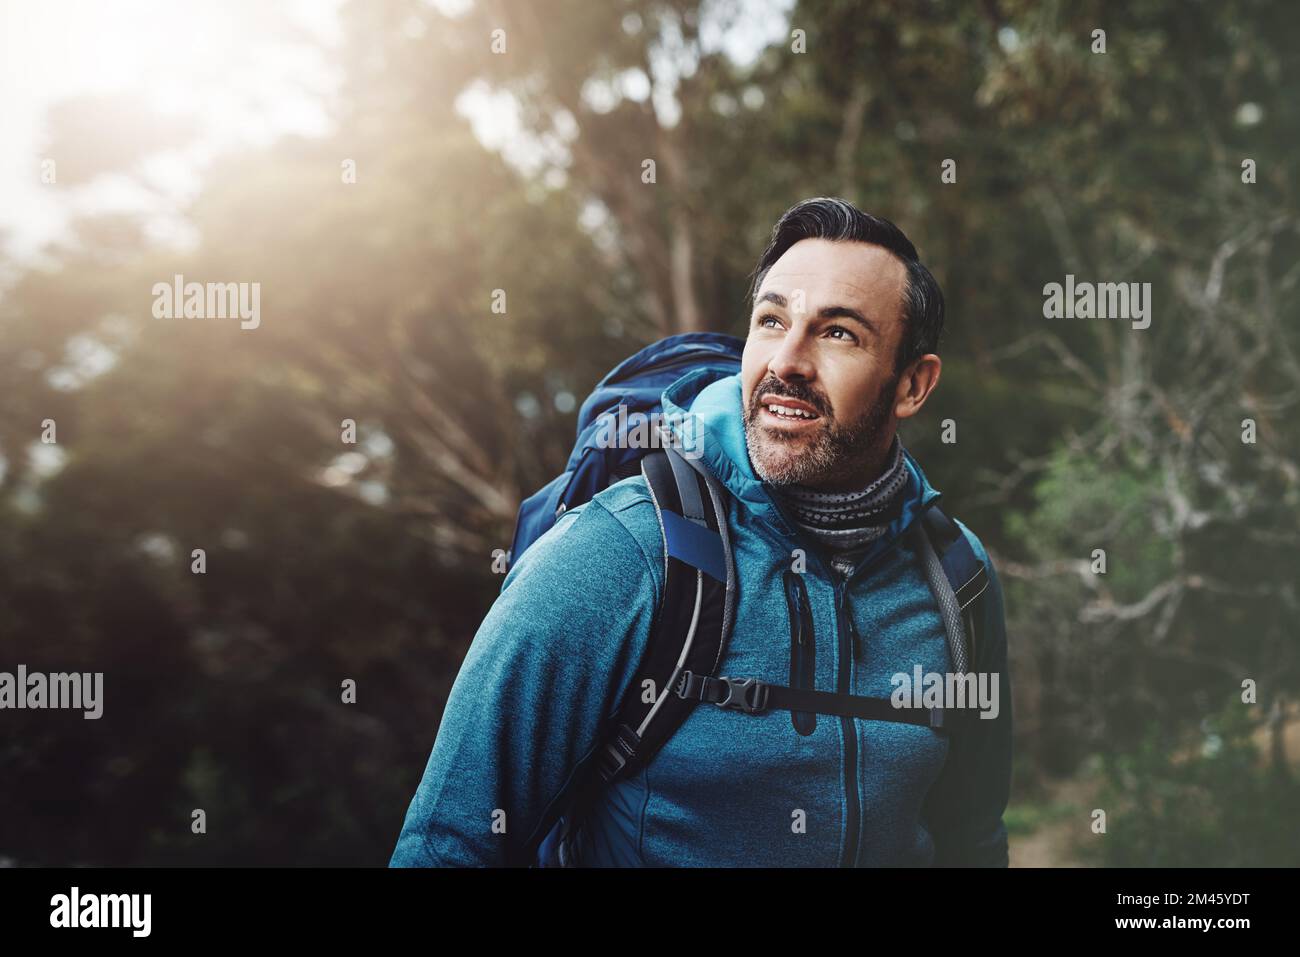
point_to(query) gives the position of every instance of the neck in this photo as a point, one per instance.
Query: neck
(846, 523)
(861, 473)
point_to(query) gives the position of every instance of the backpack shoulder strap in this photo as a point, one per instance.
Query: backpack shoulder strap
(957, 577)
(961, 566)
(697, 611)
(689, 633)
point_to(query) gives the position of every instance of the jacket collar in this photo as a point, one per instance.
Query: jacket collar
(703, 409)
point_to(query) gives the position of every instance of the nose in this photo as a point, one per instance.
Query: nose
(793, 360)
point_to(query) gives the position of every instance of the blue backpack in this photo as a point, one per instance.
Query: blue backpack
(690, 631)
(628, 398)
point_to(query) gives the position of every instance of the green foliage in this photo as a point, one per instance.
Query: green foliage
(1077, 493)
(1028, 817)
(1199, 800)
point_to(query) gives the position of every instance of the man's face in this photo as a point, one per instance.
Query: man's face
(817, 376)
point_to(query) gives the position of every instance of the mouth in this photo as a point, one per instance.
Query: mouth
(790, 414)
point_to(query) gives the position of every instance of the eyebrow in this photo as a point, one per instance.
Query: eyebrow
(826, 312)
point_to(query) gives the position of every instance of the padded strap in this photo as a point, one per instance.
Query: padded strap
(949, 609)
(688, 488)
(695, 545)
(973, 587)
(961, 566)
(690, 631)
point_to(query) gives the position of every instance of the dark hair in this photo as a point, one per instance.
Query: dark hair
(835, 219)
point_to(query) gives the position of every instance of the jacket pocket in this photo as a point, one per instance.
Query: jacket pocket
(803, 648)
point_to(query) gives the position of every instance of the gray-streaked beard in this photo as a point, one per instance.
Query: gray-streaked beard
(837, 453)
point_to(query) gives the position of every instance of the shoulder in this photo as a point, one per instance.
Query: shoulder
(993, 597)
(630, 503)
(981, 553)
(976, 545)
(616, 533)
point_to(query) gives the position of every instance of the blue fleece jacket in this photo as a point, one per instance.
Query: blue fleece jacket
(562, 642)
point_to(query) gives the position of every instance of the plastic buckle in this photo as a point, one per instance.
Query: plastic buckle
(616, 754)
(745, 694)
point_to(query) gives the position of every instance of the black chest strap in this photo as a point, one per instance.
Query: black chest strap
(755, 697)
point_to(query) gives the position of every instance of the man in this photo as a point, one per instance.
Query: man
(841, 346)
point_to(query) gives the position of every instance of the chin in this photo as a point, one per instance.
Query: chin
(782, 469)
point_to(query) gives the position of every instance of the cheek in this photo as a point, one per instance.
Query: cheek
(753, 366)
(850, 396)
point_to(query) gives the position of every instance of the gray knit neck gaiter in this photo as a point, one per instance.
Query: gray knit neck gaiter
(847, 523)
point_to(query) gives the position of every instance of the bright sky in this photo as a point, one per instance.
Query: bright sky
(226, 63)
(230, 65)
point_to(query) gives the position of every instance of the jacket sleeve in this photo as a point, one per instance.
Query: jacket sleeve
(546, 667)
(966, 805)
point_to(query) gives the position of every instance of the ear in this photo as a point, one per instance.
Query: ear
(915, 385)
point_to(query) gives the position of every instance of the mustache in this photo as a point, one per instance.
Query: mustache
(776, 387)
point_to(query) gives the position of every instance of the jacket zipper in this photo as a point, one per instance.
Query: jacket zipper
(854, 638)
(803, 648)
(849, 650)
(850, 734)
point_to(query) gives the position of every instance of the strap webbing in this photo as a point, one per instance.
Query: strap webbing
(755, 697)
(695, 545)
(688, 489)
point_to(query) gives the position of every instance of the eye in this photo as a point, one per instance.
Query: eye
(763, 320)
(848, 336)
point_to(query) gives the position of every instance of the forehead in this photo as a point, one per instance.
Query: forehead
(869, 278)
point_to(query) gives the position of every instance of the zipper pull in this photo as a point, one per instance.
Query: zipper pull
(842, 609)
(800, 600)
(794, 593)
(853, 630)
